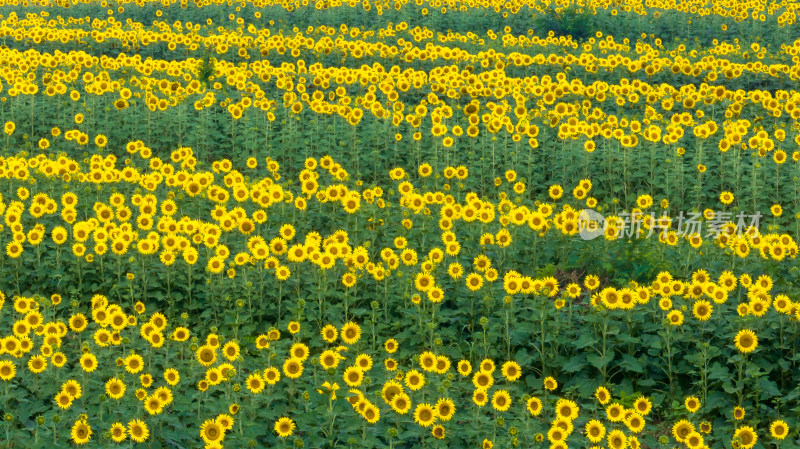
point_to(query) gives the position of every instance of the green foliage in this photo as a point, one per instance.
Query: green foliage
(569, 332)
(579, 23)
(206, 69)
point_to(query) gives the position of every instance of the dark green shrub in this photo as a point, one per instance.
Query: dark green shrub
(571, 21)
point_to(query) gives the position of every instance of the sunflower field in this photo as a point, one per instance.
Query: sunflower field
(399, 224)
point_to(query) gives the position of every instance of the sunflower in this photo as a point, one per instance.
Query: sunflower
(511, 370)
(779, 429)
(14, 249)
(364, 362)
(675, 318)
(353, 376)
(746, 436)
(255, 383)
(414, 380)
(474, 281)
(424, 415)
(617, 440)
(81, 432)
(262, 342)
(390, 364)
(231, 350)
(482, 379)
(642, 405)
(153, 405)
(226, 421)
(635, 422)
(390, 345)
(292, 368)
(299, 351)
(555, 191)
(595, 431)
(391, 389)
(615, 412)
(88, 362)
(138, 431)
(284, 427)
(564, 424)
(566, 409)
(743, 309)
(172, 377)
(726, 198)
(694, 440)
(146, 380)
(115, 388)
(211, 431)
(438, 432)
(63, 400)
(480, 397)
(164, 394)
(746, 341)
(681, 430)
(602, 394)
(501, 400)
(427, 360)
(371, 414)
(329, 359)
(702, 310)
(118, 432)
(401, 403)
(351, 333)
(445, 409)
(37, 364)
(214, 376)
(550, 383)
(72, 388)
(134, 363)
(329, 333)
(271, 375)
(534, 406)
(464, 367)
(692, 404)
(556, 435)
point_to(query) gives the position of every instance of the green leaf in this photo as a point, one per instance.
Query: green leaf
(523, 357)
(586, 339)
(729, 388)
(599, 361)
(574, 364)
(631, 363)
(717, 371)
(768, 388)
